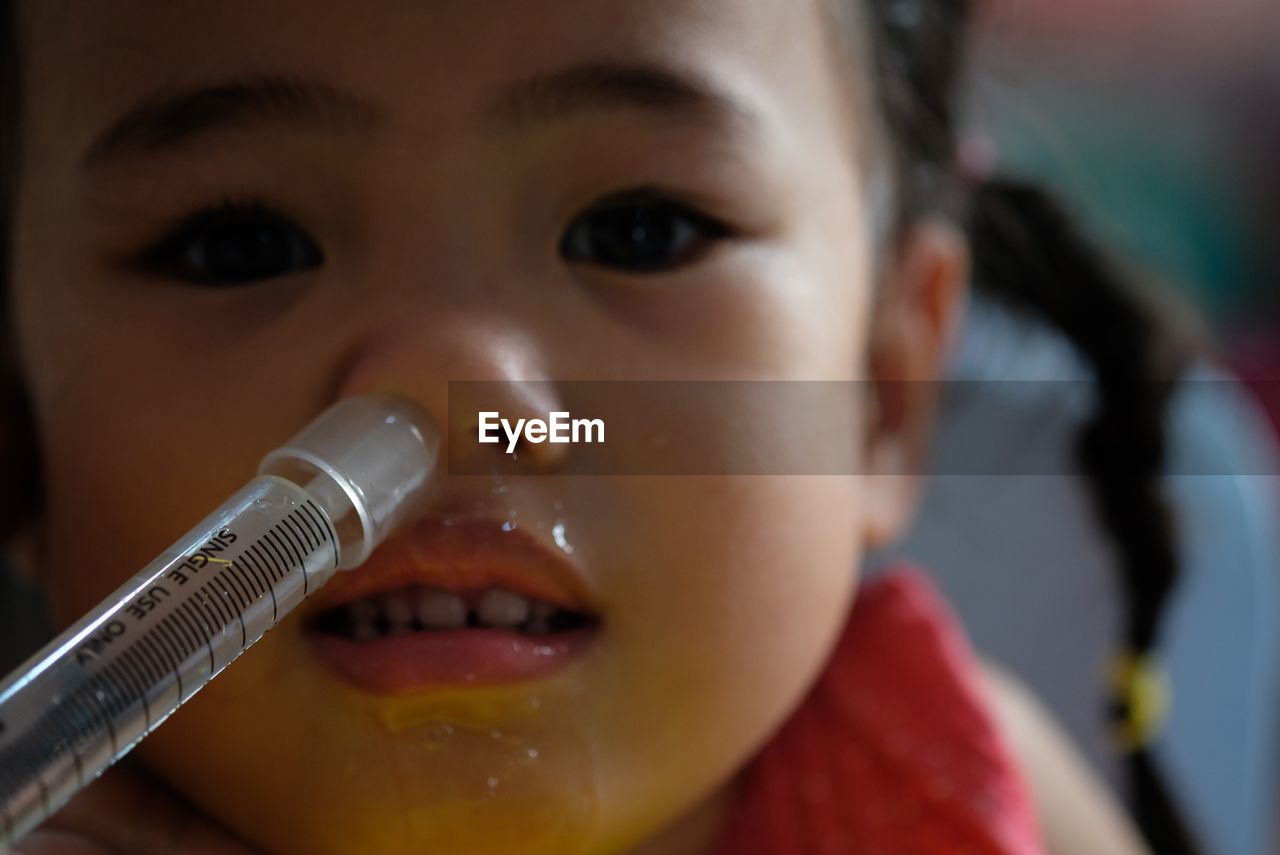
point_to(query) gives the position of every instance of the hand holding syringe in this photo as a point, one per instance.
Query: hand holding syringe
(321, 503)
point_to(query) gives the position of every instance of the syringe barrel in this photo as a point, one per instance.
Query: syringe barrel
(91, 694)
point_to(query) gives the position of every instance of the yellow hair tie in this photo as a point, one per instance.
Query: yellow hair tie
(1141, 691)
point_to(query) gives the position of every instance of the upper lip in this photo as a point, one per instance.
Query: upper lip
(464, 554)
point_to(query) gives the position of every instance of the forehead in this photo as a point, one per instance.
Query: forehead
(426, 60)
(447, 31)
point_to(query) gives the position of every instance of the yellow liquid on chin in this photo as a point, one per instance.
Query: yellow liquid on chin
(478, 707)
(463, 770)
(518, 779)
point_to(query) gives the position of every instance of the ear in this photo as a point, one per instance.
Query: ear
(916, 317)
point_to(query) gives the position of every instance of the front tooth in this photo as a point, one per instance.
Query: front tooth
(397, 611)
(363, 614)
(499, 607)
(438, 609)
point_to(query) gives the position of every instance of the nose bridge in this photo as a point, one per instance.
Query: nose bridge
(446, 298)
(446, 250)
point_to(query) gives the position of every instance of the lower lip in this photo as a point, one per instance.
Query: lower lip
(464, 657)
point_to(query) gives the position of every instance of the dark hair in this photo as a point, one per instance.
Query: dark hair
(10, 95)
(17, 436)
(1028, 253)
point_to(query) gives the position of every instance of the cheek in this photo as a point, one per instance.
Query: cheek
(126, 474)
(725, 611)
(762, 584)
(150, 413)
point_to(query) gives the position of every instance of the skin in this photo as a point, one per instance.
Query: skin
(155, 397)
(1072, 809)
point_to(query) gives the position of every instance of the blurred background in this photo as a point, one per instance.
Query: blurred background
(1158, 122)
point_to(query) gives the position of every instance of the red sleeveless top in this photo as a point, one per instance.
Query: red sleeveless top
(893, 750)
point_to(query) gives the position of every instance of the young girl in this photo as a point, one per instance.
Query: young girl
(227, 215)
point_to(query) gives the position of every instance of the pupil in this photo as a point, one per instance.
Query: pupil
(246, 252)
(639, 236)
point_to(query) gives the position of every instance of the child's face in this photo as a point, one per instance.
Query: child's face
(417, 235)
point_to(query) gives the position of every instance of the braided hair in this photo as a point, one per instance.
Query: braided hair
(1029, 254)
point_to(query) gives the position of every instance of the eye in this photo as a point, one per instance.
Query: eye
(235, 244)
(640, 232)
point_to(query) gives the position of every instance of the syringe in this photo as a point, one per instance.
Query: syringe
(320, 503)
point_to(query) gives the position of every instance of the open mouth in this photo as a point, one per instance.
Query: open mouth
(425, 609)
(454, 602)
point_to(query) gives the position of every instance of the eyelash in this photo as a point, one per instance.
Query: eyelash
(640, 212)
(178, 254)
(615, 233)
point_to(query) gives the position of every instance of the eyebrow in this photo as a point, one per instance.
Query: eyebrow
(168, 120)
(604, 86)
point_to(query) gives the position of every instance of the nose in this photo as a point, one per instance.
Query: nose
(458, 366)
